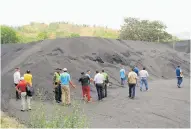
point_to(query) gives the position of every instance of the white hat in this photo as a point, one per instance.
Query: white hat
(65, 69)
(22, 78)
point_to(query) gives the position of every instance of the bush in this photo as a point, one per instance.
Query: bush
(60, 117)
(8, 35)
(42, 36)
(74, 35)
(57, 116)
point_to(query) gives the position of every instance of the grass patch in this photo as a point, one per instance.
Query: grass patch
(9, 122)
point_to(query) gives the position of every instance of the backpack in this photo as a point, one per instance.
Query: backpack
(30, 91)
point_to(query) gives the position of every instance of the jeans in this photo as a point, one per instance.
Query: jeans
(86, 92)
(58, 93)
(179, 81)
(132, 90)
(144, 81)
(99, 88)
(123, 81)
(23, 100)
(105, 90)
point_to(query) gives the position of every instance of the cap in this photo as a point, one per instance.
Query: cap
(65, 69)
(57, 69)
(28, 70)
(22, 78)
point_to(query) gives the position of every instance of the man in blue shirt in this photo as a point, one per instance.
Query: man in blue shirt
(179, 76)
(65, 80)
(122, 76)
(136, 70)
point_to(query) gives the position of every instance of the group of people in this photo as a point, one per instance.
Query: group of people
(24, 90)
(62, 81)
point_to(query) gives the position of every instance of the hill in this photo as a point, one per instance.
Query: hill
(83, 53)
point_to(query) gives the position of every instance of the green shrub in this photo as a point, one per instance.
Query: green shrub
(8, 35)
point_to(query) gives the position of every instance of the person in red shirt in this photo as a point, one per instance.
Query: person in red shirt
(21, 88)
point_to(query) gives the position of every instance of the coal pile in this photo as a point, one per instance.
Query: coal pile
(85, 53)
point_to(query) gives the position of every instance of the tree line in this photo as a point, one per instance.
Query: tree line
(132, 29)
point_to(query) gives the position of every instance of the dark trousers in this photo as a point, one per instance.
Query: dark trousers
(58, 93)
(105, 90)
(99, 88)
(17, 94)
(132, 90)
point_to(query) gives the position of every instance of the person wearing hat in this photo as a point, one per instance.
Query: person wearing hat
(21, 89)
(16, 77)
(65, 81)
(85, 81)
(57, 85)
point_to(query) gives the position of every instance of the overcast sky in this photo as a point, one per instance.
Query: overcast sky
(174, 13)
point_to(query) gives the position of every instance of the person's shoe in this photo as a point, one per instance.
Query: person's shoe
(141, 90)
(22, 110)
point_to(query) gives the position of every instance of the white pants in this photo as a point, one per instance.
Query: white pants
(23, 100)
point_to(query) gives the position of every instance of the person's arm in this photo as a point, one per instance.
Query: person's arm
(17, 88)
(94, 79)
(71, 82)
(147, 74)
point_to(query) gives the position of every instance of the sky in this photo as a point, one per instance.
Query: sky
(111, 13)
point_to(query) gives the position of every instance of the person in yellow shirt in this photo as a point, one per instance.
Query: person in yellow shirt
(28, 77)
(132, 81)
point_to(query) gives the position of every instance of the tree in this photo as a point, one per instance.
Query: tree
(42, 35)
(8, 35)
(144, 30)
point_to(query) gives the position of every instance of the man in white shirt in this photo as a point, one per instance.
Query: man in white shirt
(143, 76)
(16, 77)
(99, 83)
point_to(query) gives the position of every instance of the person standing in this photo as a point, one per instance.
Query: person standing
(106, 82)
(85, 81)
(143, 76)
(57, 86)
(132, 80)
(21, 89)
(90, 83)
(16, 77)
(179, 76)
(98, 81)
(28, 78)
(122, 76)
(136, 70)
(65, 80)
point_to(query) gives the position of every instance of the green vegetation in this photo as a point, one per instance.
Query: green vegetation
(8, 35)
(60, 117)
(133, 29)
(145, 30)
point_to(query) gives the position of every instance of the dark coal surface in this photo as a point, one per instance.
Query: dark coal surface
(83, 53)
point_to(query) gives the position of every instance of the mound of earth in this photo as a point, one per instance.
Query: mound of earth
(81, 54)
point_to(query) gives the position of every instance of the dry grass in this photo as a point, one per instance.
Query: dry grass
(9, 122)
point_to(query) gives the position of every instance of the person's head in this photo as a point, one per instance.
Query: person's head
(57, 70)
(103, 71)
(178, 66)
(82, 73)
(17, 69)
(28, 71)
(22, 78)
(88, 72)
(97, 71)
(65, 70)
(144, 68)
